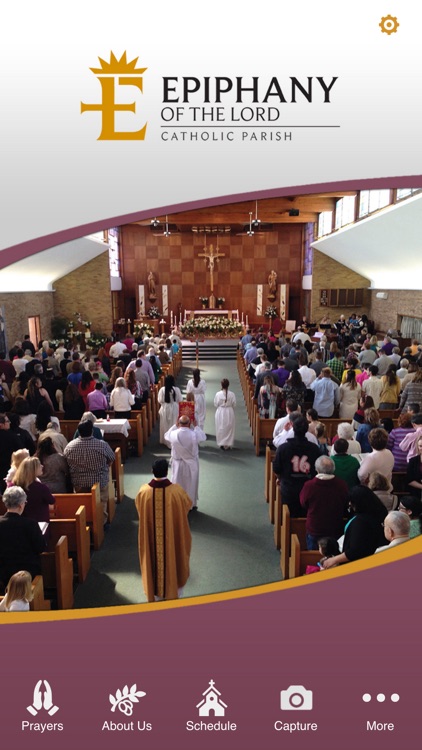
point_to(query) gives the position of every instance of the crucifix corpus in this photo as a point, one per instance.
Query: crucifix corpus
(213, 257)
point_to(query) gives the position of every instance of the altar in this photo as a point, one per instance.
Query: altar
(230, 314)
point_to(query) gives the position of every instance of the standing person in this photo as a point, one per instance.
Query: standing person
(197, 386)
(324, 498)
(268, 398)
(391, 387)
(97, 401)
(121, 400)
(55, 469)
(294, 464)
(164, 537)
(349, 396)
(9, 443)
(184, 439)
(38, 495)
(169, 396)
(327, 394)
(364, 533)
(225, 401)
(89, 460)
(21, 540)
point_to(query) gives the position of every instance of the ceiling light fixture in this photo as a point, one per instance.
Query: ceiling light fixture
(155, 223)
(256, 222)
(250, 231)
(167, 233)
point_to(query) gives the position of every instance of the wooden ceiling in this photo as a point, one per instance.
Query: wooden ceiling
(269, 210)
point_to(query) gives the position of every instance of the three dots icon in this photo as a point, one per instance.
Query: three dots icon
(380, 697)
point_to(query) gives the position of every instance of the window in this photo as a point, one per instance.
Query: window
(405, 192)
(113, 253)
(325, 223)
(373, 200)
(345, 211)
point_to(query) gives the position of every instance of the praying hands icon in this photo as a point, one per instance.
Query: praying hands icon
(42, 699)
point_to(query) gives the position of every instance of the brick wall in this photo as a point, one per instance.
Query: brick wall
(329, 274)
(387, 312)
(87, 291)
(18, 306)
(175, 263)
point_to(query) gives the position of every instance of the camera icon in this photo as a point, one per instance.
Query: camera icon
(296, 698)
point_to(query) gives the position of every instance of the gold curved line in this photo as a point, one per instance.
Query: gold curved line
(400, 552)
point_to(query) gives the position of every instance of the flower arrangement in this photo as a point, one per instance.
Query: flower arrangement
(154, 312)
(86, 323)
(220, 300)
(211, 326)
(270, 312)
(144, 331)
(204, 300)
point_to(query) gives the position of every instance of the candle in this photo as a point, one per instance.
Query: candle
(247, 321)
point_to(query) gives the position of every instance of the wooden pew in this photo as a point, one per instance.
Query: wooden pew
(290, 526)
(138, 428)
(299, 560)
(69, 504)
(57, 573)
(118, 476)
(78, 537)
(264, 429)
(38, 602)
(111, 503)
(399, 482)
(278, 510)
(269, 457)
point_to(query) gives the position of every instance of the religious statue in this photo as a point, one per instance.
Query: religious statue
(151, 286)
(272, 285)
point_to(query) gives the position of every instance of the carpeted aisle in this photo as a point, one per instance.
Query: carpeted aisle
(232, 537)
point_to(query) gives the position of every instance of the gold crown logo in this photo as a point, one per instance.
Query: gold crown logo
(119, 67)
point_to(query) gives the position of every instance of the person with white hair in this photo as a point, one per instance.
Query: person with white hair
(54, 432)
(324, 498)
(21, 540)
(345, 431)
(396, 529)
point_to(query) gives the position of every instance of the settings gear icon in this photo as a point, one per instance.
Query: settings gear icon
(389, 24)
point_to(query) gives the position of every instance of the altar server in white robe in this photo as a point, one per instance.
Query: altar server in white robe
(184, 438)
(169, 397)
(225, 421)
(198, 386)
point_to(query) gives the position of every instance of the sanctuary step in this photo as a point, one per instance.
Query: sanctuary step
(213, 349)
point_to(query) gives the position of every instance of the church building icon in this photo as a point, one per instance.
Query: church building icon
(212, 705)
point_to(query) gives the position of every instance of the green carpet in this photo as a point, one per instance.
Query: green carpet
(233, 543)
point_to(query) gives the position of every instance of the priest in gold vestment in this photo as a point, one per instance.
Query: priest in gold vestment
(164, 535)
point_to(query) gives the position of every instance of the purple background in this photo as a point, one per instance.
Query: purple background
(340, 638)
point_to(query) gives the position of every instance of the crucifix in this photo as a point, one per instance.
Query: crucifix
(213, 257)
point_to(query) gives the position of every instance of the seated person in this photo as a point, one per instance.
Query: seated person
(396, 530)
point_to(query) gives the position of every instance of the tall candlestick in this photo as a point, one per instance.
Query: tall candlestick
(247, 321)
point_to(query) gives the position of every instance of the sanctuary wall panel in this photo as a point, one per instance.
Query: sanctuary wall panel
(248, 261)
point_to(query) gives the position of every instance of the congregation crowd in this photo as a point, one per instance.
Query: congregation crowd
(39, 385)
(37, 462)
(343, 486)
